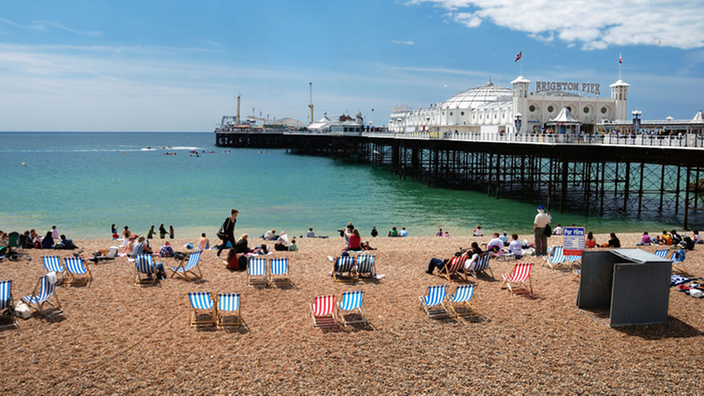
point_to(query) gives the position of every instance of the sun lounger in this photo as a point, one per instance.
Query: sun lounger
(454, 267)
(43, 291)
(78, 272)
(344, 265)
(322, 311)
(256, 272)
(460, 302)
(228, 313)
(201, 311)
(516, 280)
(349, 310)
(7, 305)
(433, 303)
(188, 267)
(278, 273)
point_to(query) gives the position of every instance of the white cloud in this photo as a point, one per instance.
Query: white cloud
(403, 42)
(44, 26)
(595, 24)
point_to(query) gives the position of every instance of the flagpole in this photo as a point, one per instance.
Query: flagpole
(521, 62)
(619, 65)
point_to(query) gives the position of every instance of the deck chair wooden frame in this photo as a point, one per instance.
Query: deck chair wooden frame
(366, 267)
(677, 257)
(463, 301)
(7, 304)
(53, 264)
(556, 258)
(187, 268)
(516, 280)
(350, 310)
(322, 311)
(256, 272)
(78, 273)
(481, 266)
(344, 265)
(144, 270)
(278, 272)
(433, 303)
(41, 295)
(454, 267)
(202, 311)
(228, 312)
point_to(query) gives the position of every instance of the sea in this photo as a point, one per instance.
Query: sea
(84, 182)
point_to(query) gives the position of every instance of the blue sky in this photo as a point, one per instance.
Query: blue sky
(177, 65)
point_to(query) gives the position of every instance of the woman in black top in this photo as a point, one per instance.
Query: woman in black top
(227, 231)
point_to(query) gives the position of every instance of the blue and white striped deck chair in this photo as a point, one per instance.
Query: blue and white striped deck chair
(53, 264)
(344, 265)
(256, 272)
(201, 311)
(44, 290)
(461, 301)
(144, 270)
(556, 259)
(661, 253)
(365, 266)
(349, 310)
(677, 258)
(481, 265)
(278, 273)
(189, 265)
(78, 272)
(433, 303)
(229, 310)
(7, 306)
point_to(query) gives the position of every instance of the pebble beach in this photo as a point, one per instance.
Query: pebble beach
(118, 338)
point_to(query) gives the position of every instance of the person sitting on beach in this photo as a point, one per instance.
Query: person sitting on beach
(656, 240)
(26, 241)
(48, 241)
(115, 236)
(374, 232)
(292, 247)
(166, 250)
(281, 243)
(54, 233)
(614, 242)
(403, 233)
(143, 248)
(126, 234)
(242, 244)
(495, 244)
(65, 243)
(515, 247)
(504, 239)
(696, 238)
(4, 238)
(558, 230)
(129, 246)
(260, 250)
(394, 232)
(644, 240)
(447, 234)
(439, 233)
(676, 238)
(33, 234)
(590, 242)
(665, 239)
(366, 247)
(473, 253)
(235, 261)
(477, 232)
(355, 241)
(270, 235)
(203, 242)
(310, 233)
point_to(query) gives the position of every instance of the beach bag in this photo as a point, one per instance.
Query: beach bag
(221, 231)
(548, 231)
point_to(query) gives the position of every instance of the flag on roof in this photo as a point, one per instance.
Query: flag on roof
(620, 60)
(519, 56)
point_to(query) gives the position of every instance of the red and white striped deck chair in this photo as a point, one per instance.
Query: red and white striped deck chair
(516, 280)
(323, 311)
(455, 267)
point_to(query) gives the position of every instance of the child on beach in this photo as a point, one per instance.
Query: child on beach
(590, 242)
(645, 240)
(166, 250)
(292, 247)
(439, 233)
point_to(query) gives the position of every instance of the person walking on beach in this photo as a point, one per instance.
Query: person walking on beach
(541, 240)
(162, 231)
(227, 231)
(150, 234)
(171, 232)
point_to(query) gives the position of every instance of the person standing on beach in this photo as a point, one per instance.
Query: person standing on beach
(374, 232)
(541, 240)
(162, 231)
(171, 232)
(150, 234)
(227, 231)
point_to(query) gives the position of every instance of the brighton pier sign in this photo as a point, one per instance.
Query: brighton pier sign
(545, 86)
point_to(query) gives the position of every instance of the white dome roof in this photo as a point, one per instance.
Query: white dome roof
(478, 97)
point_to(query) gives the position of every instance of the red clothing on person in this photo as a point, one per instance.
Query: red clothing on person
(355, 243)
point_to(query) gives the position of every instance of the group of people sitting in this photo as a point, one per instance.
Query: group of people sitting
(353, 240)
(32, 240)
(672, 238)
(238, 255)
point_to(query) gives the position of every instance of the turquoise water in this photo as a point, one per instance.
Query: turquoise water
(84, 182)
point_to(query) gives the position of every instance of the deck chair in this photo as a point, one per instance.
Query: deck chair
(661, 253)
(228, 314)
(188, 266)
(13, 240)
(43, 291)
(144, 270)
(556, 259)
(677, 258)
(322, 311)
(516, 280)
(201, 310)
(344, 265)
(78, 272)
(481, 265)
(278, 272)
(365, 266)
(576, 275)
(460, 302)
(53, 264)
(349, 310)
(256, 271)
(7, 305)
(433, 303)
(454, 267)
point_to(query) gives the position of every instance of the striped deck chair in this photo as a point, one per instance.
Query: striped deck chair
(7, 305)
(201, 310)
(460, 302)
(229, 303)
(481, 265)
(188, 266)
(256, 272)
(349, 310)
(365, 266)
(43, 291)
(516, 280)
(556, 259)
(433, 303)
(344, 265)
(53, 264)
(677, 258)
(144, 270)
(323, 311)
(661, 253)
(278, 272)
(78, 272)
(454, 267)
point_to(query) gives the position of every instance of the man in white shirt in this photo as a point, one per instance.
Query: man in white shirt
(495, 244)
(515, 247)
(541, 240)
(270, 235)
(403, 232)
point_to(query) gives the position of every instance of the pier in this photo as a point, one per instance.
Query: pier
(630, 175)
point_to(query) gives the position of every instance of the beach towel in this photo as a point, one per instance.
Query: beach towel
(676, 280)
